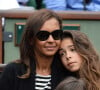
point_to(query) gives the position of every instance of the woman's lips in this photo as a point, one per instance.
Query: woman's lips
(50, 47)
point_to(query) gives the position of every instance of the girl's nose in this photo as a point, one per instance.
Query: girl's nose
(68, 56)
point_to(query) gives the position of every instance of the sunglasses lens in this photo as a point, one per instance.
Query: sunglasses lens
(57, 34)
(42, 35)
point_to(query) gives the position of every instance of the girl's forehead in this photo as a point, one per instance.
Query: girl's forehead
(66, 42)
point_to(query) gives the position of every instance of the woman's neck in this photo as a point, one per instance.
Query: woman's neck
(43, 65)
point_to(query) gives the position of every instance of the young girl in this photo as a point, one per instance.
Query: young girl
(78, 56)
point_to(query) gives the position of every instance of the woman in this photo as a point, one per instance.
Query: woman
(38, 67)
(78, 56)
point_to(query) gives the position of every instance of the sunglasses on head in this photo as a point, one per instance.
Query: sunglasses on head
(44, 35)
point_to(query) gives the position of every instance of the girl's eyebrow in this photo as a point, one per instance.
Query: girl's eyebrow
(68, 47)
(61, 49)
(71, 46)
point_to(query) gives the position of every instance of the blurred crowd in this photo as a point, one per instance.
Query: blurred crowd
(56, 5)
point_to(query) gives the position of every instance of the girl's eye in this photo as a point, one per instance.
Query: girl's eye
(73, 49)
(62, 54)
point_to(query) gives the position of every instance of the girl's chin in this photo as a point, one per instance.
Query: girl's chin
(74, 70)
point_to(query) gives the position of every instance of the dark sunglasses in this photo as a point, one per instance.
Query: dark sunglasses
(43, 35)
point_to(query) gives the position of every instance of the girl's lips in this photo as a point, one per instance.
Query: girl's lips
(71, 63)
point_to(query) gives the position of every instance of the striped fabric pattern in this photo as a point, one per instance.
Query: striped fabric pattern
(42, 82)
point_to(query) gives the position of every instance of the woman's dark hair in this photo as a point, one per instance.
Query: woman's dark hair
(90, 69)
(71, 83)
(33, 25)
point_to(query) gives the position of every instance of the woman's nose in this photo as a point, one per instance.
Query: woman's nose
(50, 38)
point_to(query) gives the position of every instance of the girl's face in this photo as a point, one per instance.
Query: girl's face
(48, 46)
(69, 56)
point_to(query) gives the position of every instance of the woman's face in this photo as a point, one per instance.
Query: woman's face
(49, 46)
(69, 56)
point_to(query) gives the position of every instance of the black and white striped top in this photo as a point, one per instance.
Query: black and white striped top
(42, 82)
